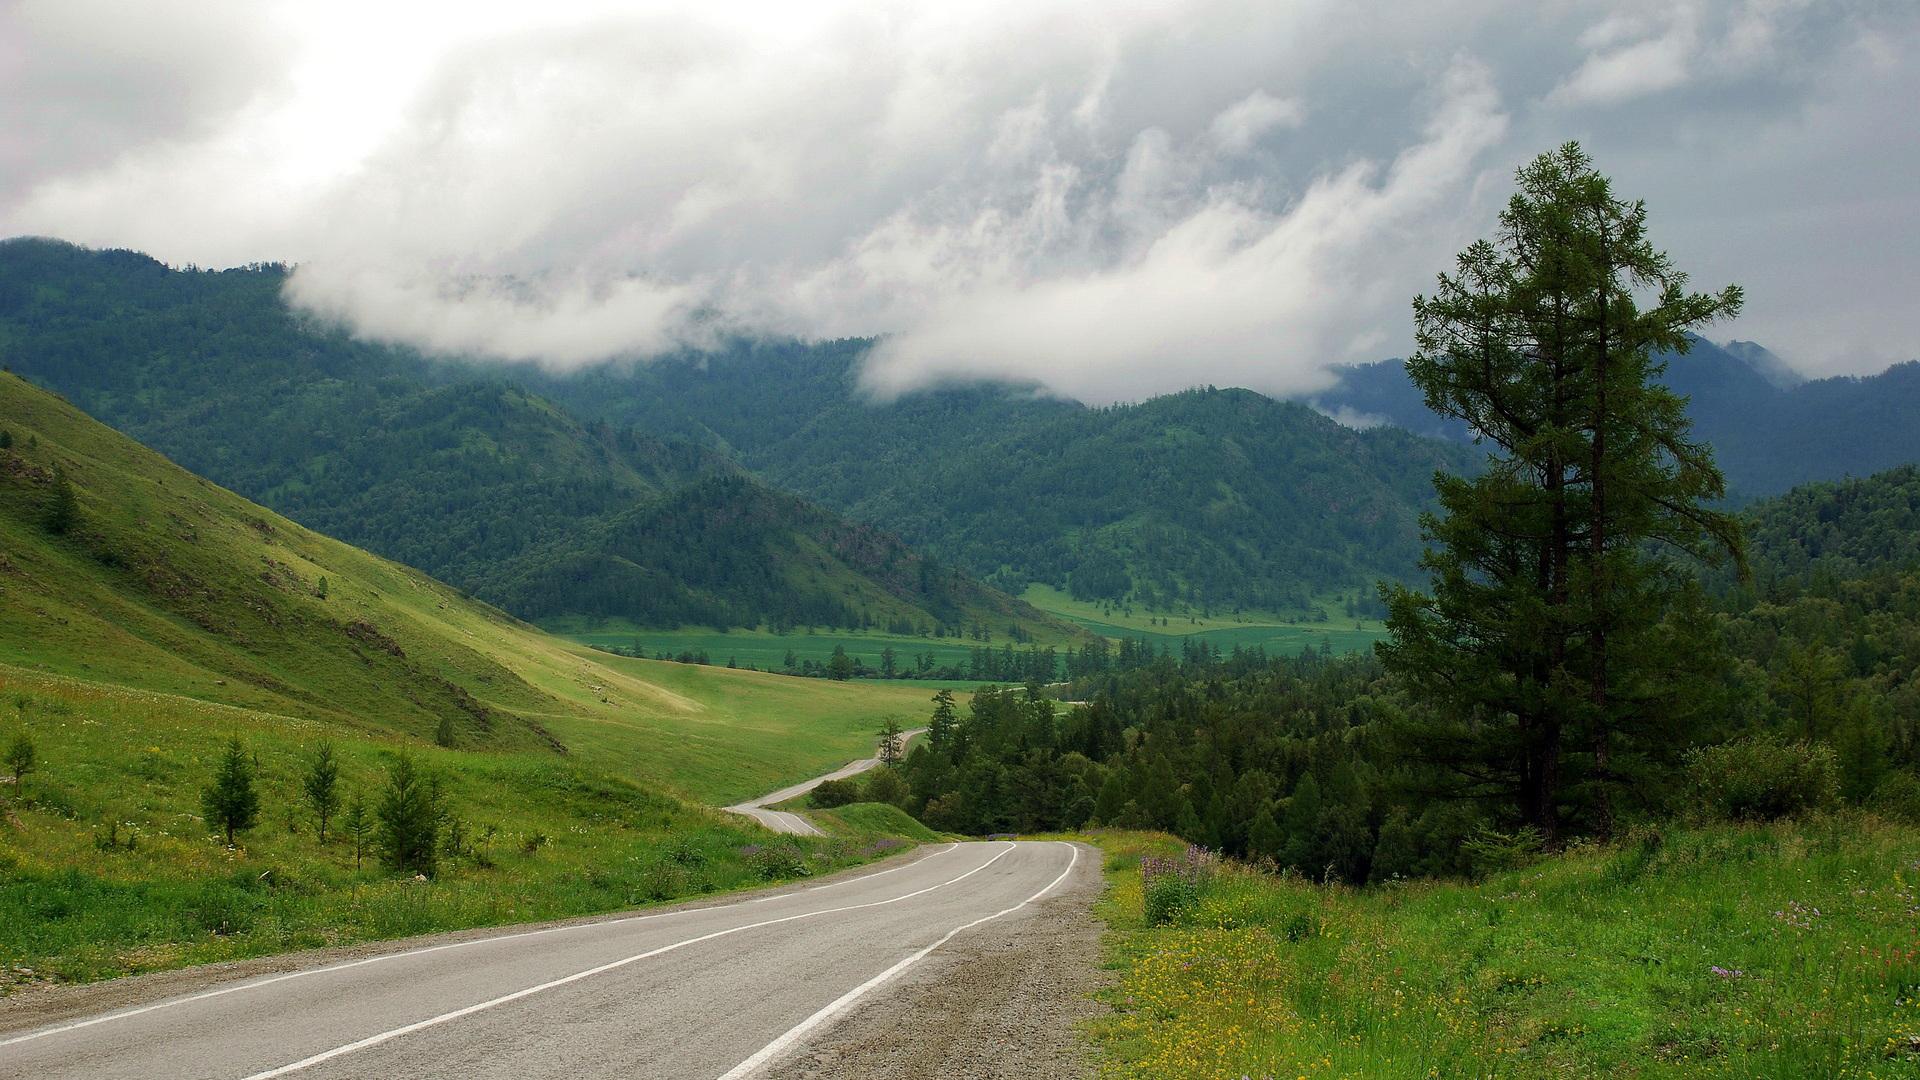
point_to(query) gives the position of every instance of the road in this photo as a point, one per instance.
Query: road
(784, 821)
(724, 991)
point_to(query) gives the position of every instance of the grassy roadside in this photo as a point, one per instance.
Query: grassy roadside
(1781, 951)
(106, 867)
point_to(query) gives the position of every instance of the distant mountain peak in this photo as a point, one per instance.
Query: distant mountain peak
(1765, 364)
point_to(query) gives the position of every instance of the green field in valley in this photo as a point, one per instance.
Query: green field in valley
(767, 651)
(1247, 630)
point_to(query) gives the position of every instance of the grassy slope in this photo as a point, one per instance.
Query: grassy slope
(1600, 962)
(169, 583)
(175, 615)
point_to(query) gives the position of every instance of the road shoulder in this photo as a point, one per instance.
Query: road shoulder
(1004, 1001)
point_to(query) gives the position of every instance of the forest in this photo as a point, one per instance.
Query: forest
(1316, 762)
(1601, 648)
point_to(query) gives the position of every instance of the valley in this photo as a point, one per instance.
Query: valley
(601, 649)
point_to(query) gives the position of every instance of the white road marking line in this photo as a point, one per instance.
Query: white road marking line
(845, 1001)
(127, 1014)
(385, 1036)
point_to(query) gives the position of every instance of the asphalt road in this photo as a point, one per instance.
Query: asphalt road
(784, 821)
(724, 991)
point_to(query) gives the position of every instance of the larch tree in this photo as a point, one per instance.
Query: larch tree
(230, 803)
(1562, 654)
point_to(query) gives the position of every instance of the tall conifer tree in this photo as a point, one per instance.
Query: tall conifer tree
(1561, 641)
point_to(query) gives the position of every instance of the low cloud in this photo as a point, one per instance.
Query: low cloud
(1110, 199)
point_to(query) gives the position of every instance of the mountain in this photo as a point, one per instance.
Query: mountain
(462, 474)
(1210, 498)
(1771, 430)
(1765, 364)
(179, 585)
(481, 474)
(164, 583)
(730, 551)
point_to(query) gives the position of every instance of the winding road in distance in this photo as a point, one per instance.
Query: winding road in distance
(716, 992)
(783, 821)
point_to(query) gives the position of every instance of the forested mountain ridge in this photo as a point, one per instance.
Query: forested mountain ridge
(1221, 499)
(1210, 498)
(461, 474)
(1770, 429)
(729, 551)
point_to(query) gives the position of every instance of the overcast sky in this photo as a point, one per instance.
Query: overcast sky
(1114, 198)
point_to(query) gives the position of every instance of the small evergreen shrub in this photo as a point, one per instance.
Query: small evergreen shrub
(1490, 851)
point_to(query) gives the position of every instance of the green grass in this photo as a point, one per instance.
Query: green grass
(767, 651)
(107, 869)
(1599, 962)
(764, 649)
(1246, 630)
(175, 614)
(873, 821)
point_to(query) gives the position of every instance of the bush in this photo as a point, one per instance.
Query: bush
(1165, 899)
(834, 793)
(1762, 778)
(1172, 887)
(1897, 797)
(885, 785)
(776, 861)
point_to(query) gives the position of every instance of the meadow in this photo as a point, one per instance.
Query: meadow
(762, 648)
(1782, 951)
(164, 616)
(766, 650)
(107, 868)
(1226, 630)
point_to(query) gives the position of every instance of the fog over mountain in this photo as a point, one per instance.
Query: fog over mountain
(1114, 200)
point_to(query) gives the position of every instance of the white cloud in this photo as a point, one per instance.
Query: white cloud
(1348, 416)
(1624, 71)
(1111, 198)
(1243, 123)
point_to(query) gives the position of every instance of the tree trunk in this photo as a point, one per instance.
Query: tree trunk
(1598, 600)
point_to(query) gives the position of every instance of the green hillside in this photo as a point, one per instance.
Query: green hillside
(148, 616)
(165, 582)
(474, 480)
(1206, 501)
(729, 551)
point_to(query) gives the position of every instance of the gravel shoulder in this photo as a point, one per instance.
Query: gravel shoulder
(1001, 1002)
